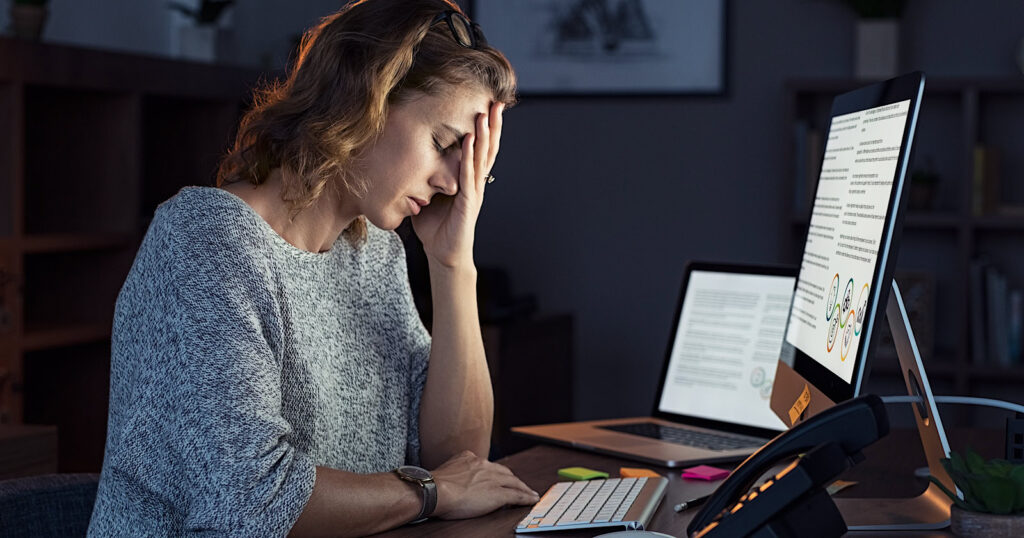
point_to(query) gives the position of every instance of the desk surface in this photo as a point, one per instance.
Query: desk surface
(897, 455)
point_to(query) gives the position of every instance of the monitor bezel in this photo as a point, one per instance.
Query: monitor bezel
(712, 267)
(907, 87)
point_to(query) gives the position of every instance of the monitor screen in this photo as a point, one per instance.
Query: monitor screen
(851, 247)
(726, 346)
(845, 235)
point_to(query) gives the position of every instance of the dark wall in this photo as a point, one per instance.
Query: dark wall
(600, 201)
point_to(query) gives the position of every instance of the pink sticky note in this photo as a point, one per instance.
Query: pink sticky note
(704, 472)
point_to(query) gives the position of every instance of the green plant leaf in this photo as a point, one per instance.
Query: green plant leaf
(957, 470)
(996, 494)
(975, 463)
(956, 462)
(998, 467)
(1017, 476)
(952, 496)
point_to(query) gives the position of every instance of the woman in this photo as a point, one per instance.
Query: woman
(269, 371)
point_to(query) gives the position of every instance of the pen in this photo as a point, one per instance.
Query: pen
(691, 503)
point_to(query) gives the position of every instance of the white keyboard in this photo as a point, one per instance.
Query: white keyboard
(615, 502)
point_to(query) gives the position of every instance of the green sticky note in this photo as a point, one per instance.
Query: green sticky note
(581, 473)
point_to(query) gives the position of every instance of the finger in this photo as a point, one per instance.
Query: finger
(520, 497)
(512, 482)
(482, 143)
(466, 175)
(496, 123)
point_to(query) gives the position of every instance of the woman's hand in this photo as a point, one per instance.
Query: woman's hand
(446, 226)
(470, 486)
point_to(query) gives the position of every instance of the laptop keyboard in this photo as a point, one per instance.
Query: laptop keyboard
(684, 436)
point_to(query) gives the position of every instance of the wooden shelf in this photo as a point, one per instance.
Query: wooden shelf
(91, 143)
(40, 338)
(37, 244)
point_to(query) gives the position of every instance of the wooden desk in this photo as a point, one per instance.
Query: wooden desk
(888, 471)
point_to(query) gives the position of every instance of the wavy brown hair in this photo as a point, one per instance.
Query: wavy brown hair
(334, 101)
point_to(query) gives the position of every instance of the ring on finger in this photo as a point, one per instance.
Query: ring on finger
(490, 178)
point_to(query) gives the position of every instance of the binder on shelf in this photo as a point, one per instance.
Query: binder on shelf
(918, 290)
(985, 188)
(1002, 326)
(992, 316)
(977, 311)
(1014, 319)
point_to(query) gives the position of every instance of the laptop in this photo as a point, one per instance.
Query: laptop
(712, 403)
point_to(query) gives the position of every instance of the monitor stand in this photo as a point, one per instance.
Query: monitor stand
(930, 509)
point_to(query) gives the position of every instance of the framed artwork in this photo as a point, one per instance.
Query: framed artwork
(610, 47)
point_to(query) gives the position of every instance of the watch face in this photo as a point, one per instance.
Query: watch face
(416, 473)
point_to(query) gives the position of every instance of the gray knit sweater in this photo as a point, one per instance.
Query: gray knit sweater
(240, 362)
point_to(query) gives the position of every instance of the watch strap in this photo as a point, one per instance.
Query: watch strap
(427, 486)
(429, 499)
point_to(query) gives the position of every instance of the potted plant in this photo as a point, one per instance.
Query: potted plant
(993, 496)
(28, 18)
(877, 39)
(204, 40)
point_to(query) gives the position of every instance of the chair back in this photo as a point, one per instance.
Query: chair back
(47, 505)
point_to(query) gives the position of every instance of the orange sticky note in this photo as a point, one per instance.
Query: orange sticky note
(636, 472)
(801, 404)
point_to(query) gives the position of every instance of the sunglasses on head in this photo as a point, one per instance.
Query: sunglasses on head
(466, 33)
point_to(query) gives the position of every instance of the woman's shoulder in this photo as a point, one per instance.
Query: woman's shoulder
(205, 222)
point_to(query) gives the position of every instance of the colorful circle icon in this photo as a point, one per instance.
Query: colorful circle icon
(862, 305)
(833, 294)
(848, 297)
(757, 376)
(847, 337)
(833, 330)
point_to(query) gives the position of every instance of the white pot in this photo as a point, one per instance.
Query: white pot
(206, 44)
(877, 46)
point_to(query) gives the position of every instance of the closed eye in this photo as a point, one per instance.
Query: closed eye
(445, 150)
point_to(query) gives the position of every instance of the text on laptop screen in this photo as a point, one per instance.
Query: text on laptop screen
(726, 348)
(844, 235)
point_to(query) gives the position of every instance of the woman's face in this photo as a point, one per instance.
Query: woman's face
(418, 154)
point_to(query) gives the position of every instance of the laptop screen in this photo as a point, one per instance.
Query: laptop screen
(726, 346)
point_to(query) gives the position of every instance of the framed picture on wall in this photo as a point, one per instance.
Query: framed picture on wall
(610, 47)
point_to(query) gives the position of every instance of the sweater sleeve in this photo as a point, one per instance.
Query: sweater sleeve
(227, 464)
(414, 340)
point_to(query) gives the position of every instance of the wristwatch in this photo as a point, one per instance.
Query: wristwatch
(421, 476)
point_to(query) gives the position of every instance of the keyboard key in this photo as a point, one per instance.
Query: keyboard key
(685, 436)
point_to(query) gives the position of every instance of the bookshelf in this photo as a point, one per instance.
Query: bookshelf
(963, 212)
(93, 142)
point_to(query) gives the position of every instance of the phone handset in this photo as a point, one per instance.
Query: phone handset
(831, 441)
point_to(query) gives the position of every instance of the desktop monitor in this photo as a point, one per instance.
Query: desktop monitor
(850, 252)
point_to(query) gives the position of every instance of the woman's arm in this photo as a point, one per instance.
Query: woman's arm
(458, 404)
(350, 504)
(457, 408)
